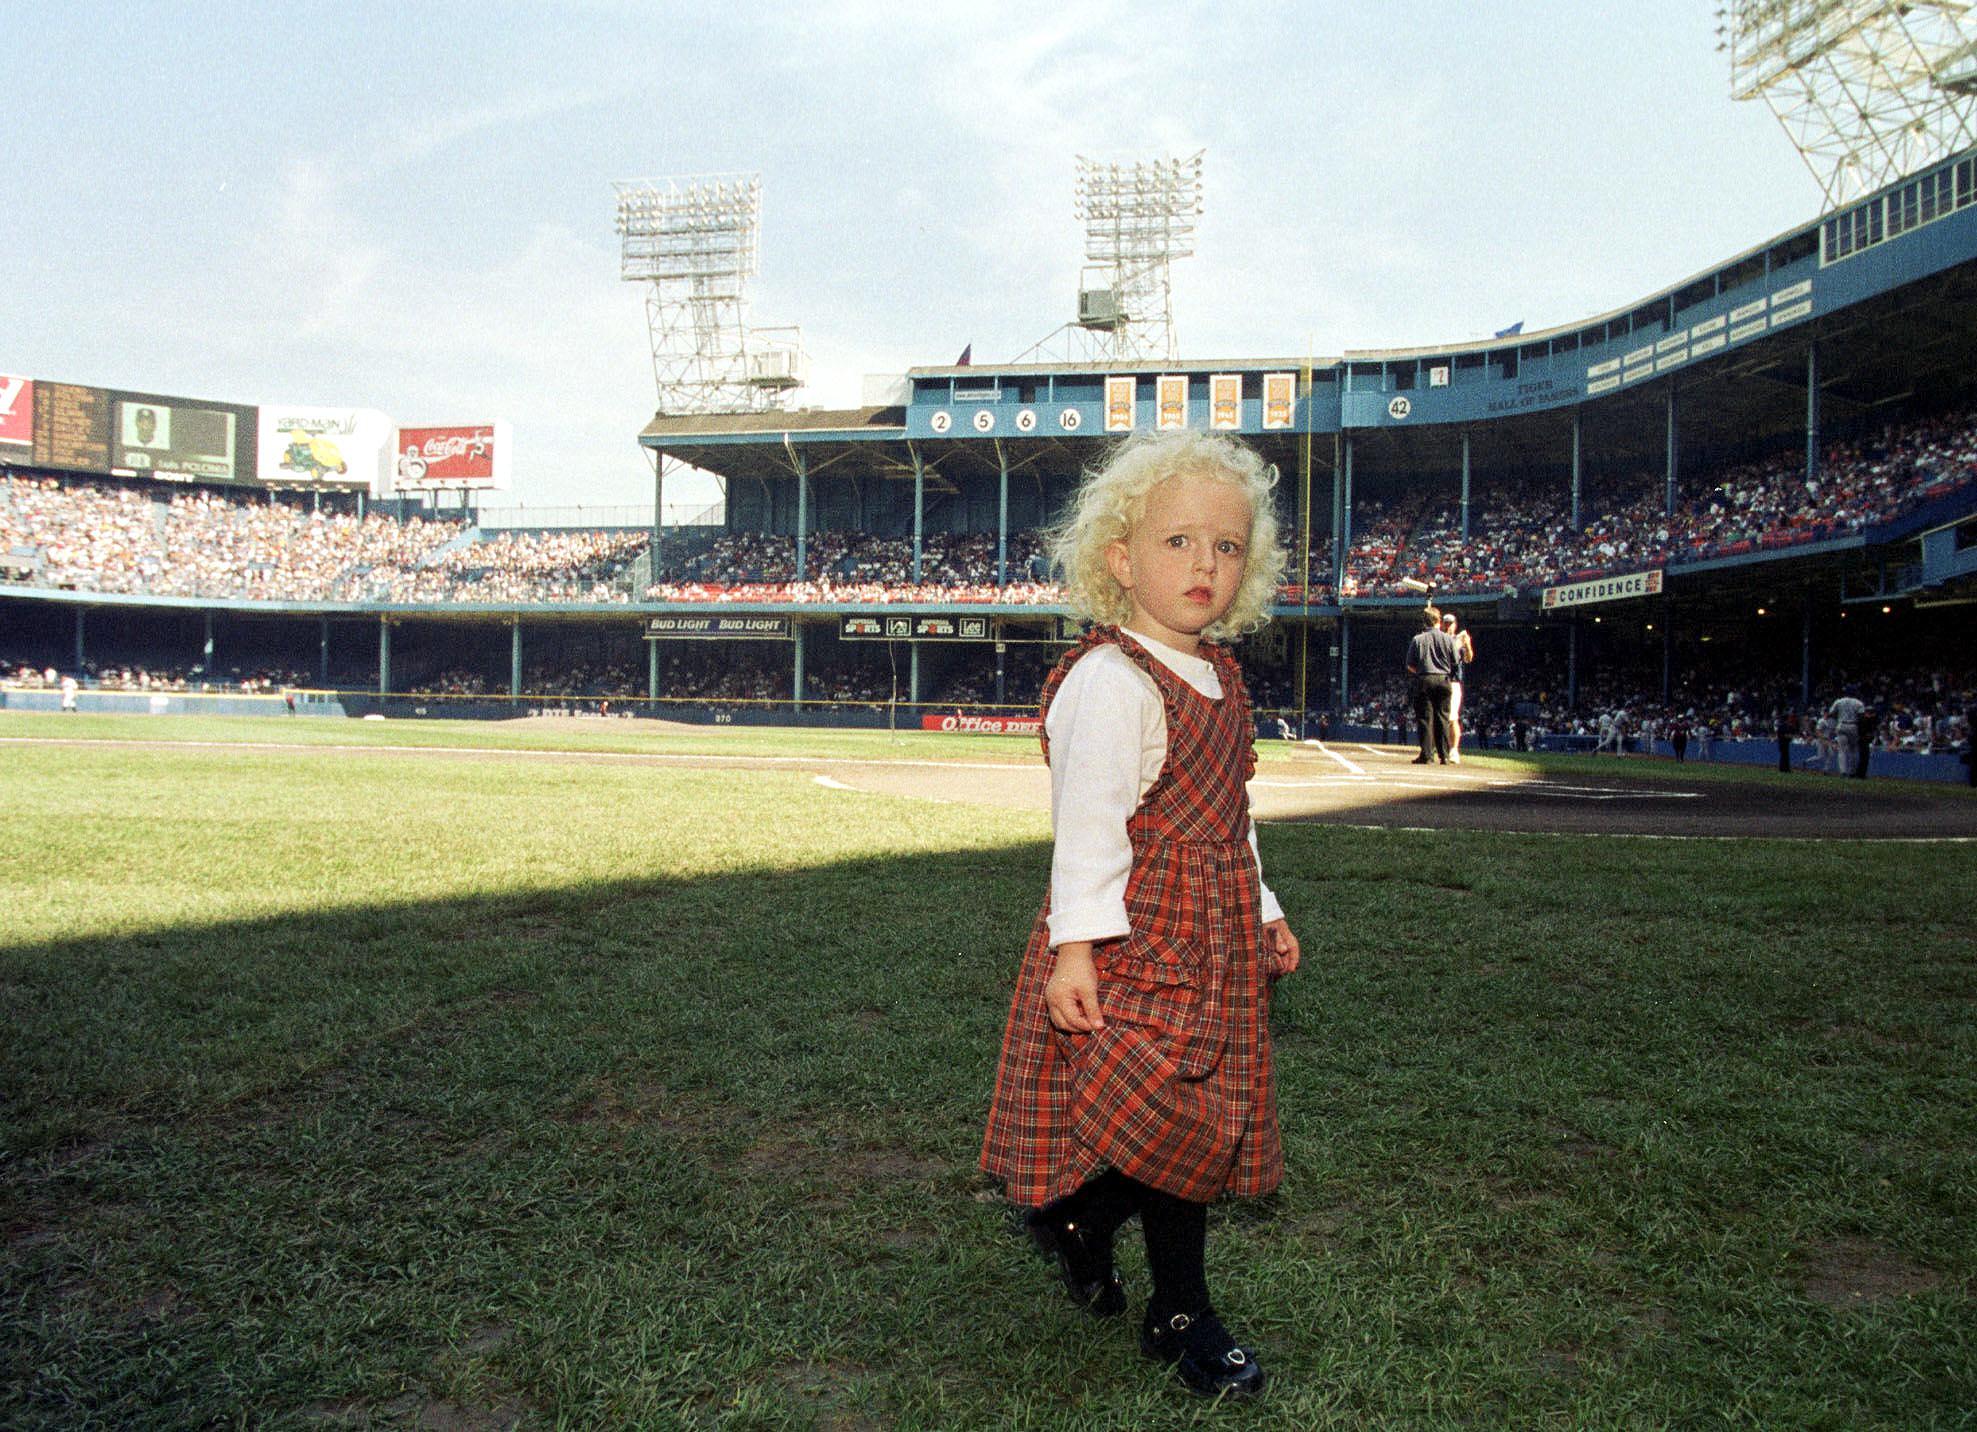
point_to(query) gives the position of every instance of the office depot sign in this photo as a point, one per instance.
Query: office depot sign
(990, 725)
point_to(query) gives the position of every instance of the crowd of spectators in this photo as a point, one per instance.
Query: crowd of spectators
(1521, 534)
(532, 567)
(1916, 711)
(102, 536)
(857, 567)
(91, 676)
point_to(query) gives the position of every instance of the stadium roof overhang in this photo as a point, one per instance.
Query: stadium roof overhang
(872, 443)
(1916, 344)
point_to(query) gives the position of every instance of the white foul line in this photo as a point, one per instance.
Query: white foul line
(1350, 766)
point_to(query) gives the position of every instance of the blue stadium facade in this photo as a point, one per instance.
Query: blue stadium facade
(1862, 314)
(1855, 315)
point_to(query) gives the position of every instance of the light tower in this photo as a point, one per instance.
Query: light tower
(1868, 90)
(695, 242)
(1139, 218)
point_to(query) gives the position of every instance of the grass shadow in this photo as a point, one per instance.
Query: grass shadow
(1588, 1135)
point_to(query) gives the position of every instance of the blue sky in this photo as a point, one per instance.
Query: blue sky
(409, 206)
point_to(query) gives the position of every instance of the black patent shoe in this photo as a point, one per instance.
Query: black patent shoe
(1202, 1351)
(1087, 1271)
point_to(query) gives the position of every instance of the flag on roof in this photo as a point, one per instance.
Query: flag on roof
(967, 357)
(1512, 331)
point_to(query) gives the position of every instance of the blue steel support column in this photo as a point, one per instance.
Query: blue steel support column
(206, 651)
(1340, 700)
(79, 651)
(1572, 666)
(1002, 517)
(1338, 495)
(322, 656)
(1667, 654)
(913, 672)
(1674, 461)
(1465, 484)
(796, 677)
(515, 657)
(919, 504)
(653, 561)
(1345, 519)
(1575, 469)
(802, 525)
(384, 656)
(651, 669)
(1811, 411)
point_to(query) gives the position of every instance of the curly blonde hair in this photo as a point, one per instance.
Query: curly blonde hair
(1112, 499)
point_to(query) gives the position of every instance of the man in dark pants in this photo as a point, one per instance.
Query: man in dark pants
(1431, 660)
(1870, 722)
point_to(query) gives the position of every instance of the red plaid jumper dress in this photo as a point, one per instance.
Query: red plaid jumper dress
(1176, 1090)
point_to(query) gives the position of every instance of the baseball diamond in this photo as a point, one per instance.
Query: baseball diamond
(572, 858)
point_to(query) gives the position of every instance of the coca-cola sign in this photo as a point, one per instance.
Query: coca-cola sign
(466, 455)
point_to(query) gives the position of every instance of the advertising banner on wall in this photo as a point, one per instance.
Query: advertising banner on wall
(1279, 398)
(1225, 401)
(1171, 411)
(16, 412)
(913, 626)
(331, 447)
(1603, 589)
(453, 455)
(181, 438)
(725, 628)
(993, 725)
(1119, 404)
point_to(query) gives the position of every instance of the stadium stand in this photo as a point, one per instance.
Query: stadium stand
(106, 538)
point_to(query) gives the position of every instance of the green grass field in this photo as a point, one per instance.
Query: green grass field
(397, 1089)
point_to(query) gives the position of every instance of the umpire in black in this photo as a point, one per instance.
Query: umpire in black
(1431, 660)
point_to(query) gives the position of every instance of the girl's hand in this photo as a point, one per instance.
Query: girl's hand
(1282, 945)
(1071, 992)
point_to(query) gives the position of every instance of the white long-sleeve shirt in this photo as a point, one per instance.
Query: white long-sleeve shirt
(1108, 740)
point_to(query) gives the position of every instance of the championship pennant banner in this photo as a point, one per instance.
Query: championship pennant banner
(1603, 589)
(1279, 399)
(1225, 401)
(749, 628)
(912, 626)
(1119, 395)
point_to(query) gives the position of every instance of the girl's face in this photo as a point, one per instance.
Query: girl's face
(1182, 565)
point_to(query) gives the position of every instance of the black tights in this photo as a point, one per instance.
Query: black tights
(1176, 1232)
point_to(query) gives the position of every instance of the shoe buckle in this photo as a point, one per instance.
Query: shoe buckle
(1238, 1356)
(1180, 1322)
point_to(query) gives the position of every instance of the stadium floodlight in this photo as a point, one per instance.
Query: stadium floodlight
(1139, 218)
(1868, 90)
(695, 242)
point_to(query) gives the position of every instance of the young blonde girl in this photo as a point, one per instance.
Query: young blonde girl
(1135, 1075)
